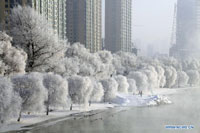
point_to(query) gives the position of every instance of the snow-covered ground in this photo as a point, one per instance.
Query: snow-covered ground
(136, 100)
(158, 97)
(31, 119)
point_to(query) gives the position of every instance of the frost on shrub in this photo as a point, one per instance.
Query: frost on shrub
(141, 80)
(107, 69)
(98, 91)
(67, 67)
(124, 62)
(12, 60)
(122, 83)
(84, 62)
(57, 88)
(31, 90)
(9, 101)
(161, 76)
(80, 89)
(171, 76)
(152, 77)
(194, 77)
(132, 86)
(182, 79)
(171, 61)
(191, 64)
(79, 61)
(110, 87)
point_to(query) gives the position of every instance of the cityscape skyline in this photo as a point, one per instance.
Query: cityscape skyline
(138, 24)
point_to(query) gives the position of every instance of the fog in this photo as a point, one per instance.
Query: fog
(144, 120)
(151, 25)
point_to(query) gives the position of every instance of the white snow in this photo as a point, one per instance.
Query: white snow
(61, 114)
(121, 100)
(145, 100)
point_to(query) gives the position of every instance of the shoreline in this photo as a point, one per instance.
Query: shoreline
(29, 122)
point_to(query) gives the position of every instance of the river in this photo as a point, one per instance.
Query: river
(185, 110)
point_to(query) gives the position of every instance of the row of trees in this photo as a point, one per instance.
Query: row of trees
(35, 92)
(40, 71)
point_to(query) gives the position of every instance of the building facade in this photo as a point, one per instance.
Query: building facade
(118, 25)
(84, 23)
(55, 12)
(5, 9)
(187, 29)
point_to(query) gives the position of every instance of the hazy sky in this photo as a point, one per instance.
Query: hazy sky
(152, 24)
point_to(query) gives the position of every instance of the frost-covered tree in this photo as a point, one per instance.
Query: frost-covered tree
(107, 69)
(79, 61)
(132, 86)
(67, 67)
(152, 77)
(31, 90)
(12, 60)
(141, 80)
(9, 101)
(191, 64)
(98, 91)
(161, 75)
(80, 89)
(124, 62)
(182, 79)
(110, 87)
(32, 33)
(171, 61)
(194, 77)
(57, 88)
(171, 76)
(122, 83)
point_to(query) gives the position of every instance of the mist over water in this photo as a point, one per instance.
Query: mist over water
(183, 111)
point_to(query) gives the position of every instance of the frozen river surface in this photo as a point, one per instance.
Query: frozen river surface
(185, 110)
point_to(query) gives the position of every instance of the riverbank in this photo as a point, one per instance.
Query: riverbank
(31, 120)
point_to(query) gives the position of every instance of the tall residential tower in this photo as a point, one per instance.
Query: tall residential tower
(84, 23)
(5, 9)
(118, 25)
(187, 29)
(53, 10)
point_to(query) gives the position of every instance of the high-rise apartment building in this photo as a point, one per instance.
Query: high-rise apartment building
(118, 25)
(5, 9)
(84, 23)
(187, 29)
(55, 12)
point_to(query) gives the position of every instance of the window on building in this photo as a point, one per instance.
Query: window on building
(6, 6)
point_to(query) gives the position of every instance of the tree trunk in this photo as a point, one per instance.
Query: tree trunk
(19, 118)
(47, 109)
(71, 107)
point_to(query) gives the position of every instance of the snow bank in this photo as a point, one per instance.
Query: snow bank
(137, 100)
